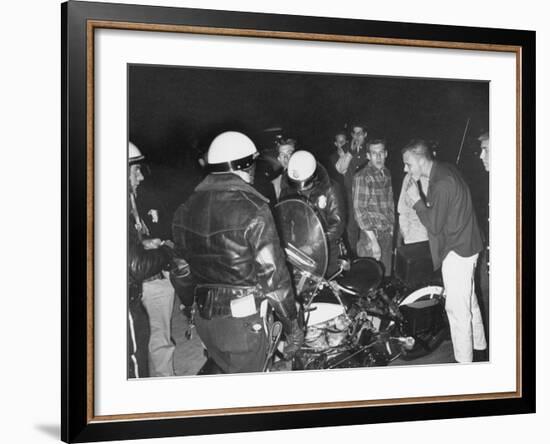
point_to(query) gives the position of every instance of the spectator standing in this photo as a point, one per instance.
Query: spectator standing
(455, 243)
(374, 207)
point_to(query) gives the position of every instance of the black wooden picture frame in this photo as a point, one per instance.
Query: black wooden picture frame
(79, 21)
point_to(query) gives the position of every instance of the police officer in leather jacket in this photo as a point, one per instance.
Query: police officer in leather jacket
(226, 232)
(308, 179)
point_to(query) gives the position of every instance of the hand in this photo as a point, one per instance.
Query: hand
(151, 244)
(412, 191)
(340, 151)
(154, 214)
(169, 243)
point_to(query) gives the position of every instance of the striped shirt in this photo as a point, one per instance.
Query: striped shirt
(373, 204)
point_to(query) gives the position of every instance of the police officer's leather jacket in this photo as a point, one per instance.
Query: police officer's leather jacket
(325, 196)
(226, 232)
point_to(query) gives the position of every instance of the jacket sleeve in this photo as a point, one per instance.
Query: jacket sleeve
(361, 199)
(142, 263)
(272, 271)
(336, 219)
(434, 217)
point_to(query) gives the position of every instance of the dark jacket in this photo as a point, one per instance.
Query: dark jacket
(449, 215)
(142, 263)
(226, 232)
(326, 197)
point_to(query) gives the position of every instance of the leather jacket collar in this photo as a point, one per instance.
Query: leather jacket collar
(228, 182)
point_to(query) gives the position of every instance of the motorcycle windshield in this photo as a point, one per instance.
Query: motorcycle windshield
(302, 235)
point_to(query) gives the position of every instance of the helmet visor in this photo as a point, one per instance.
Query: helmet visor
(233, 165)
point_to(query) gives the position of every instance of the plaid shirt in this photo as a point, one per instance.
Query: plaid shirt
(373, 204)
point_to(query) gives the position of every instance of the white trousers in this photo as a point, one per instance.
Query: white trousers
(158, 300)
(462, 307)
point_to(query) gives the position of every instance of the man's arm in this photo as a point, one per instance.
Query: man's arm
(361, 197)
(272, 271)
(336, 220)
(274, 277)
(433, 217)
(144, 263)
(391, 206)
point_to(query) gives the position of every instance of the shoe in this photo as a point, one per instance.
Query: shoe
(481, 355)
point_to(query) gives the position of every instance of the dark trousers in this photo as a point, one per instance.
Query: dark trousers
(138, 340)
(385, 240)
(352, 235)
(237, 345)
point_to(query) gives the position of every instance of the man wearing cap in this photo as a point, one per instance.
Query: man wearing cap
(227, 234)
(150, 296)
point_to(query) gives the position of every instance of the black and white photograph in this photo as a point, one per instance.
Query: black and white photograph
(279, 219)
(284, 221)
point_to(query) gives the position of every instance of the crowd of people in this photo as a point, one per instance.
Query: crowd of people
(226, 263)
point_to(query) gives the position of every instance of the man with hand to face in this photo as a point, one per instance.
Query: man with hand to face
(455, 242)
(373, 206)
(351, 162)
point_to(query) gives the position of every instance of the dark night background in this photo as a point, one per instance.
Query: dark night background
(174, 113)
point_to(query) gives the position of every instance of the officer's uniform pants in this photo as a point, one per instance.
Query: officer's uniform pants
(237, 345)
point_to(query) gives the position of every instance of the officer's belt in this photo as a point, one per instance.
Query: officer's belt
(214, 301)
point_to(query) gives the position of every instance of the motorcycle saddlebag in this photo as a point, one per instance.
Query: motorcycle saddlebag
(413, 263)
(423, 316)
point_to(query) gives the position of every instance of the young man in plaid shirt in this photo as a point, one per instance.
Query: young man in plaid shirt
(373, 206)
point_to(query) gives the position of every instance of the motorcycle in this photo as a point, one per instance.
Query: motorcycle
(356, 317)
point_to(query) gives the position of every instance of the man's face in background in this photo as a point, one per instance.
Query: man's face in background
(484, 155)
(285, 151)
(358, 135)
(340, 140)
(136, 177)
(412, 165)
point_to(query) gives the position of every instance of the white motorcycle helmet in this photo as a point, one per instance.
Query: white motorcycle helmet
(134, 154)
(301, 169)
(230, 152)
